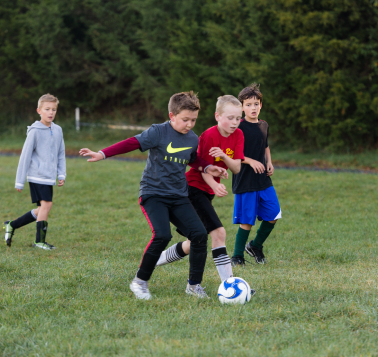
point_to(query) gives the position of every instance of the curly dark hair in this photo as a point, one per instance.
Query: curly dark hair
(252, 91)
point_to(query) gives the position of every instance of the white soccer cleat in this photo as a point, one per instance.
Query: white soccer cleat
(196, 290)
(140, 289)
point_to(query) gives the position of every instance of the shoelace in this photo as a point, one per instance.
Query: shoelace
(143, 286)
(200, 290)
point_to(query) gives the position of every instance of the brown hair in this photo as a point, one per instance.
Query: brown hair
(47, 98)
(183, 101)
(224, 100)
(252, 91)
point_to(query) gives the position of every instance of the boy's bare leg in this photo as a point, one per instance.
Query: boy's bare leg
(43, 211)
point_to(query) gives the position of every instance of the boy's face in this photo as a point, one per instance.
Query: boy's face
(184, 121)
(251, 109)
(47, 112)
(229, 120)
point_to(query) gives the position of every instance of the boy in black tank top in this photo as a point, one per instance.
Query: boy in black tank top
(255, 196)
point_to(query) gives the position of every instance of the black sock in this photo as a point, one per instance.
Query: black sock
(179, 250)
(23, 220)
(41, 232)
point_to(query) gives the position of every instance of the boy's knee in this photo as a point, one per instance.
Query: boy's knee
(46, 204)
(199, 239)
(218, 235)
(163, 236)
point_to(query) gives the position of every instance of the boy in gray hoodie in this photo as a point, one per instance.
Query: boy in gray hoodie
(42, 160)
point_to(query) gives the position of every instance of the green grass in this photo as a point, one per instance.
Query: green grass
(316, 297)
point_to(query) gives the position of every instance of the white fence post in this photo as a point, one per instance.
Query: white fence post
(77, 119)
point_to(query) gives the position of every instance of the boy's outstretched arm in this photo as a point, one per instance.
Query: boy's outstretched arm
(122, 147)
(269, 165)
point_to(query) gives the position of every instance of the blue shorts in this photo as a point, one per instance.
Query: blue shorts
(263, 205)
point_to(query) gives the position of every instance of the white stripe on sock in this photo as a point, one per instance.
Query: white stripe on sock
(33, 214)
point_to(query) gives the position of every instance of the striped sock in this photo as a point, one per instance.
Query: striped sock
(222, 262)
(172, 254)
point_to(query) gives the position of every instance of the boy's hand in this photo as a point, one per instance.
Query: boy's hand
(217, 171)
(96, 156)
(220, 190)
(217, 152)
(18, 189)
(60, 183)
(257, 166)
(269, 169)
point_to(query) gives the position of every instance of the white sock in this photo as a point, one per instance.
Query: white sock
(222, 262)
(172, 254)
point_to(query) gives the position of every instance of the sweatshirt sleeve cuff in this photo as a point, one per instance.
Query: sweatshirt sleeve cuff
(19, 185)
(101, 152)
(61, 177)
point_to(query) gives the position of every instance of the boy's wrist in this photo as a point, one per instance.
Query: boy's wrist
(103, 155)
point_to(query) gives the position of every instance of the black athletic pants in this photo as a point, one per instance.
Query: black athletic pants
(159, 211)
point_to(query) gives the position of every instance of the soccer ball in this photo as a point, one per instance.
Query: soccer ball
(234, 291)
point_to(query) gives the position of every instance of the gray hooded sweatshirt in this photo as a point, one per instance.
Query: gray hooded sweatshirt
(42, 157)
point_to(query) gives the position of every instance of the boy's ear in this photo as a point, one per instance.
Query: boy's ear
(171, 116)
(39, 111)
(216, 116)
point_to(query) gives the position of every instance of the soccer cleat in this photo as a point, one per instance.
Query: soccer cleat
(255, 253)
(197, 291)
(9, 231)
(44, 245)
(237, 260)
(140, 289)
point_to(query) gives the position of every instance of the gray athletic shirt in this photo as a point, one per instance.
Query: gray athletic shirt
(170, 152)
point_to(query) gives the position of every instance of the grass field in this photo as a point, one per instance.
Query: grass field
(317, 296)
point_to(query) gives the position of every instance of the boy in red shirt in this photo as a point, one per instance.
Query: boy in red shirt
(221, 145)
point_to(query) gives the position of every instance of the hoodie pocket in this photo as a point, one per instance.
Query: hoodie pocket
(45, 171)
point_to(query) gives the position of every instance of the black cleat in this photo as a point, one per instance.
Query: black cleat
(239, 260)
(255, 253)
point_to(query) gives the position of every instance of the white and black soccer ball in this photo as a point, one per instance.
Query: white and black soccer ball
(234, 291)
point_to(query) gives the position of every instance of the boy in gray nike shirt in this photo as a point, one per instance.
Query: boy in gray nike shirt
(42, 160)
(163, 194)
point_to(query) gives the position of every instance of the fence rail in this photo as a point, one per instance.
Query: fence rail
(79, 123)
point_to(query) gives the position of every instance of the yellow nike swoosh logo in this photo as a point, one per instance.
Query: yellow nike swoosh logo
(172, 150)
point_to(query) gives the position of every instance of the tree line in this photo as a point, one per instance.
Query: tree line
(316, 61)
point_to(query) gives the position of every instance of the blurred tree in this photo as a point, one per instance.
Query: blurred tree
(316, 60)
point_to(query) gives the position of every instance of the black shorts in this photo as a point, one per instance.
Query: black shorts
(202, 203)
(40, 193)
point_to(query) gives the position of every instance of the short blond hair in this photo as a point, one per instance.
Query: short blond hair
(224, 100)
(47, 98)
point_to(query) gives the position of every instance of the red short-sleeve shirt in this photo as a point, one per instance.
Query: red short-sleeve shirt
(232, 145)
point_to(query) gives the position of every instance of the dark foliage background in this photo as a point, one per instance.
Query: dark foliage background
(316, 61)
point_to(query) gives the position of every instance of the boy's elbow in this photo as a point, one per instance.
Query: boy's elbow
(237, 169)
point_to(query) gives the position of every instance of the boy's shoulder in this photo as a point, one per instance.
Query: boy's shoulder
(56, 127)
(246, 124)
(212, 131)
